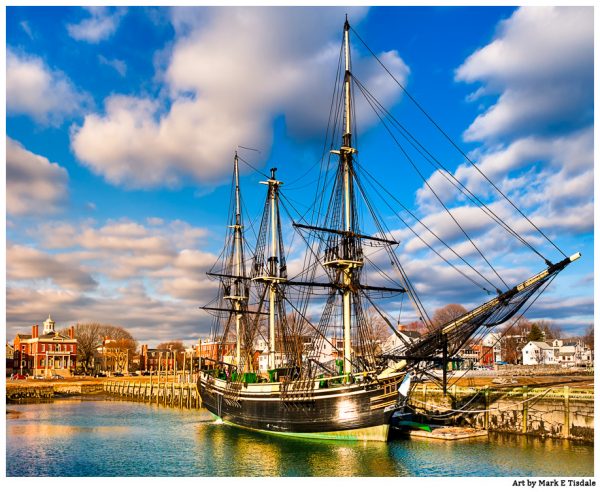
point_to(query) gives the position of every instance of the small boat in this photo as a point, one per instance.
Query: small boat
(326, 307)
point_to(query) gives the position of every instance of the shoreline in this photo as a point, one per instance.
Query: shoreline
(505, 408)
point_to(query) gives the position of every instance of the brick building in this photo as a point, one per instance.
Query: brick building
(10, 359)
(46, 354)
(208, 352)
(152, 359)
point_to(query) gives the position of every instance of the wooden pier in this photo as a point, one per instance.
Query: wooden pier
(182, 395)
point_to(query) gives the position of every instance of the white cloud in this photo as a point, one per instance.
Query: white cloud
(26, 263)
(541, 64)
(538, 139)
(99, 26)
(33, 89)
(149, 319)
(230, 74)
(548, 177)
(538, 148)
(34, 185)
(146, 276)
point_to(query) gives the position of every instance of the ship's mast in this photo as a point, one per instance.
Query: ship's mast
(273, 274)
(238, 261)
(237, 295)
(346, 152)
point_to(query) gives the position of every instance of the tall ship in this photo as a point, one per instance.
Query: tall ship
(295, 350)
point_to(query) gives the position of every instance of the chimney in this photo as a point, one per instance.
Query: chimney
(72, 332)
(34, 331)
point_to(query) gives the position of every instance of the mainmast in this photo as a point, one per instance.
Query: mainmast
(348, 256)
(346, 157)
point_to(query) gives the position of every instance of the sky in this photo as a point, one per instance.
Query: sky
(122, 123)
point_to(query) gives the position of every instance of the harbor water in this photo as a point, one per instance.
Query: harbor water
(96, 437)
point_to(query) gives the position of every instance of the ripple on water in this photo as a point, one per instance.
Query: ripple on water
(120, 438)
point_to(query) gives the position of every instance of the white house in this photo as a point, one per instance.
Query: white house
(535, 353)
(399, 343)
(571, 353)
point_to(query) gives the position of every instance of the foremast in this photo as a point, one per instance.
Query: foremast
(237, 295)
(234, 288)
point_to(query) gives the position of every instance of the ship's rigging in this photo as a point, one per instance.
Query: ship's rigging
(329, 300)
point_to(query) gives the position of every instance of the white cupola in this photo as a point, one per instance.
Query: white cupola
(48, 326)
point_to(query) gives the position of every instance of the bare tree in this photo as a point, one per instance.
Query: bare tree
(446, 314)
(509, 349)
(378, 329)
(550, 329)
(90, 336)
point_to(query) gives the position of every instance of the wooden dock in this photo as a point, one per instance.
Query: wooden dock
(182, 395)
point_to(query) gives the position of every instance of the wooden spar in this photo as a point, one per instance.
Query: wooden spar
(457, 323)
(348, 212)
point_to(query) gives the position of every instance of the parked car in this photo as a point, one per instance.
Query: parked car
(100, 375)
(38, 376)
(118, 374)
(57, 376)
(16, 375)
(145, 373)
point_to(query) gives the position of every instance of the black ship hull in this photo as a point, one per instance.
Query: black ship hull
(356, 411)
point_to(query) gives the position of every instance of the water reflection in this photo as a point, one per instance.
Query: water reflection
(107, 438)
(32, 430)
(238, 452)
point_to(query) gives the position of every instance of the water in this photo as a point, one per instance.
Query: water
(117, 438)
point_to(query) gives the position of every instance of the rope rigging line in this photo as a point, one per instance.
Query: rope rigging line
(477, 272)
(252, 167)
(436, 164)
(448, 262)
(413, 165)
(454, 144)
(407, 284)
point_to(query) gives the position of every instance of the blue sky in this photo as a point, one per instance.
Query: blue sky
(122, 123)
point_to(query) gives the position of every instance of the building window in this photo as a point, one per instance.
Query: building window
(58, 347)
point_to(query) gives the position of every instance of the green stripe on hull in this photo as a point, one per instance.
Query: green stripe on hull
(377, 433)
